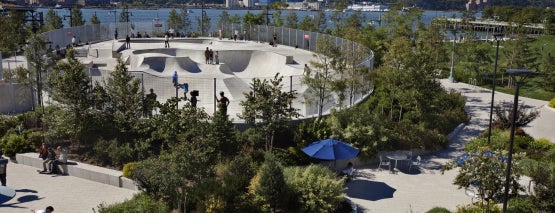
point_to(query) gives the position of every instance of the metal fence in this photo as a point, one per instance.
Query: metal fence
(209, 87)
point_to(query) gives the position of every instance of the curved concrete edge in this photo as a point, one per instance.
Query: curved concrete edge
(84, 171)
(451, 136)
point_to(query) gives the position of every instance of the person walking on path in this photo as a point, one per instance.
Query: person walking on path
(223, 103)
(49, 209)
(127, 42)
(3, 165)
(207, 55)
(167, 40)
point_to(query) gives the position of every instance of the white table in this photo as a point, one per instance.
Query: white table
(396, 156)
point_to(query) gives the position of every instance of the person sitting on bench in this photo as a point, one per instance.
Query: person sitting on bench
(62, 159)
(48, 161)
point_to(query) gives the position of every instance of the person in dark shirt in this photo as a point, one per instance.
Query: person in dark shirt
(223, 102)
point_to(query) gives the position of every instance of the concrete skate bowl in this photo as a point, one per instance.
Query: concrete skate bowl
(174, 40)
(241, 63)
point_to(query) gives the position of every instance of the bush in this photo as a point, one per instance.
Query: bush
(552, 103)
(7, 123)
(493, 208)
(139, 203)
(14, 144)
(314, 188)
(128, 169)
(518, 205)
(112, 152)
(438, 210)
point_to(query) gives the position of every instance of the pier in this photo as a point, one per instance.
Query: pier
(493, 26)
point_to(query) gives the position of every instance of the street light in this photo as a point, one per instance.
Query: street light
(115, 24)
(451, 78)
(518, 75)
(497, 37)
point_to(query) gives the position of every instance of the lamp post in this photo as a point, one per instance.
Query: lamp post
(497, 37)
(451, 78)
(115, 23)
(202, 14)
(518, 75)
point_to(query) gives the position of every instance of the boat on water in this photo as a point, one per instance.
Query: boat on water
(368, 7)
(58, 6)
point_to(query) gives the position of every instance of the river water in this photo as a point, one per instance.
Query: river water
(161, 15)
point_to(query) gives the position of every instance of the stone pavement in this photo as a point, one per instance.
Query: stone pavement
(420, 190)
(64, 193)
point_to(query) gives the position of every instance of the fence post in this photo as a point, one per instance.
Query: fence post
(215, 99)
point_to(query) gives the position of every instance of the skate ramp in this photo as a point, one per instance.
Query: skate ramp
(167, 64)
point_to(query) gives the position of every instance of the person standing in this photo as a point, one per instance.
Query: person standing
(3, 165)
(167, 40)
(217, 57)
(74, 41)
(127, 42)
(223, 103)
(275, 39)
(211, 56)
(207, 55)
(150, 102)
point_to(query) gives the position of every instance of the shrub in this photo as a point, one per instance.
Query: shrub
(314, 188)
(518, 205)
(438, 210)
(128, 169)
(112, 152)
(6, 123)
(14, 144)
(492, 208)
(552, 103)
(139, 203)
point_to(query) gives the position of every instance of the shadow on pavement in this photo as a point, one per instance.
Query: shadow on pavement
(26, 190)
(370, 190)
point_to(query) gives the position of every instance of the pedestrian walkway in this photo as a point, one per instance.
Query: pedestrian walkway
(64, 193)
(380, 191)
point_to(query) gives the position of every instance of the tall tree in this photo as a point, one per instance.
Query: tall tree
(77, 17)
(291, 19)
(268, 108)
(185, 20)
(320, 78)
(272, 186)
(124, 105)
(224, 24)
(276, 17)
(12, 32)
(71, 89)
(174, 20)
(204, 24)
(94, 19)
(52, 21)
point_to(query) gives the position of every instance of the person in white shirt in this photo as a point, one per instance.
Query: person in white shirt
(62, 159)
(49, 209)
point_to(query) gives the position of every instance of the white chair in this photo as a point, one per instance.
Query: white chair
(384, 163)
(415, 163)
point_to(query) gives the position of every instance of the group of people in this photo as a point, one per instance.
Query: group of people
(211, 56)
(50, 162)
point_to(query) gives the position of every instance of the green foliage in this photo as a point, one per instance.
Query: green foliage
(291, 19)
(552, 103)
(314, 188)
(140, 202)
(14, 22)
(498, 141)
(271, 189)
(13, 144)
(52, 20)
(268, 108)
(519, 205)
(7, 123)
(113, 152)
(480, 208)
(542, 171)
(485, 171)
(76, 17)
(504, 115)
(128, 169)
(438, 210)
(94, 19)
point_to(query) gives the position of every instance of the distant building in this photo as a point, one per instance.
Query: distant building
(476, 4)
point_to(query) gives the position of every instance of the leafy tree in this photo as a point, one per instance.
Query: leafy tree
(314, 188)
(306, 24)
(355, 75)
(272, 188)
(224, 133)
(268, 107)
(321, 76)
(124, 103)
(12, 32)
(224, 23)
(521, 55)
(203, 25)
(291, 19)
(486, 171)
(543, 174)
(320, 21)
(548, 71)
(76, 17)
(174, 20)
(71, 89)
(52, 21)
(276, 16)
(95, 19)
(252, 19)
(279, 5)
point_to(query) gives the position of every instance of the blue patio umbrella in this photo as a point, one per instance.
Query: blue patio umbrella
(330, 149)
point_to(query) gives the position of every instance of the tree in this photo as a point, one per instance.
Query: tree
(95, 19)
(12, 32)
(71, 89)
(291, 19)
(174, 20)
(204, 24)
(272, 188)
(252, 19)
(52, 21)
(185, 20)
(306, 24)
(76, 17)
(355, 75)
(504, 115)
(268, 108)
(548, 70)
(321, 76)
(125, 99)
(486, 171)
(224, 24)
(276, 16)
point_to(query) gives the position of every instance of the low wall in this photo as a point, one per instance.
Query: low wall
(83, 170)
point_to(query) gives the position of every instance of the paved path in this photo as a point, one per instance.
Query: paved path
(64, 193)
(419, 191)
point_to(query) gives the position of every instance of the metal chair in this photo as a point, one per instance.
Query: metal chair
(384, 163)
(415, 163)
